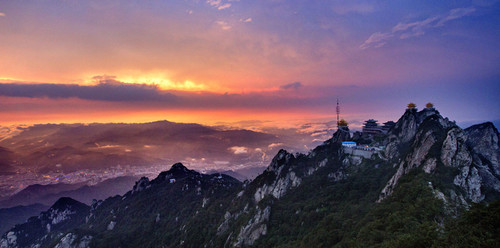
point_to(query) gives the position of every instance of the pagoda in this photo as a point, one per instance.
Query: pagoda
(371, 127)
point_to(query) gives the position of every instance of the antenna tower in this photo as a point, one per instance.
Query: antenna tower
(338, 113)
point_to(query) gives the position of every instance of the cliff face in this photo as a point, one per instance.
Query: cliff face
(405, 130)
(483, 141)
(431, 141)
(253, 205)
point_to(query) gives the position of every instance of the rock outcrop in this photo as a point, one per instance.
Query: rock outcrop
(255, 228)
(427, 135)
(405, 130)
(284, 173)
(71, 240)
(425, 140)
(342, 134)
(283, 178)
(141, 185)
(483, 141)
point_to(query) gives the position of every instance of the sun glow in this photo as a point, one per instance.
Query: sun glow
(162, 80)
(165, 84)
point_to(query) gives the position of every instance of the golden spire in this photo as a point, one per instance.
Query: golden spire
(412, 105)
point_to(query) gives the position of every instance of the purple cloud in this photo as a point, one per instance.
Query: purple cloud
(414, 29)
(294, 86)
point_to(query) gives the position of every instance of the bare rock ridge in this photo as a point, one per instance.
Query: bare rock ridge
(425, 140)
(342, 134)
(483, 140)
(285, 172)
(406, 129)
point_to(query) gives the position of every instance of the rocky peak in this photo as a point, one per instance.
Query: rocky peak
(426, 112)
(483, 141)
(178, 167)
(483, 126)
(278, 178)
(141, 185)
(423, 140)
(426, 140)
(406, 127)
(282, 158)
(65, 203)
(430, 131)
(342, 134)
(483, 137)
(177, 171)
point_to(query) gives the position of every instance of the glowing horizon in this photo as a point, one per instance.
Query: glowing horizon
(236, 61)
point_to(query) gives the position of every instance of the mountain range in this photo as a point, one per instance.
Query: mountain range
(48, 194)
(72, 147)
(426, 183)
(18, 214)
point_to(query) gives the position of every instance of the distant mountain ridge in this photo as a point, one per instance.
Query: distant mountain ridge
(6, 160)
(19, 214)
(242, 174)
(48, 194)
(414, 193)
(71, 147)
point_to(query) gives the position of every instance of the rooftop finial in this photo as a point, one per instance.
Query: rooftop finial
(342, 123)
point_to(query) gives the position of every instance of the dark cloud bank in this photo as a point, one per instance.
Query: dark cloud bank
(107, 90)
(151, 95)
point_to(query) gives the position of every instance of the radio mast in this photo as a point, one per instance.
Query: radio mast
(338, 113)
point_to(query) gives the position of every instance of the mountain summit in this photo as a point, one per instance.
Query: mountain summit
(412, 188)
(427, 141)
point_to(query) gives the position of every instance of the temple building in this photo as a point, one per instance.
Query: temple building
(371, 127)
(429, 106)
(387, 126)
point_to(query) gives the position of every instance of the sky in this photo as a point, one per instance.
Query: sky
(246, 63)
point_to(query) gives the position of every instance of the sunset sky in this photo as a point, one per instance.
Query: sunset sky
(242, 62)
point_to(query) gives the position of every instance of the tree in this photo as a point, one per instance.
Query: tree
(343, 123)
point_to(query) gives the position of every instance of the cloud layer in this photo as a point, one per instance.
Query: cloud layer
(107, 90)
(294, 85)
(414, 29)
